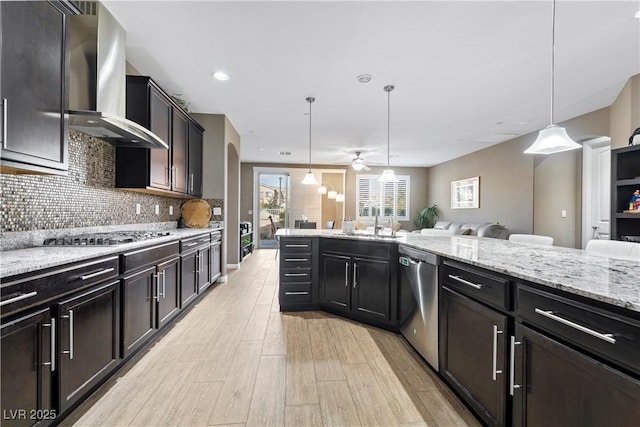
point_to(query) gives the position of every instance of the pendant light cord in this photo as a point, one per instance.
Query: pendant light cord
(553, 54)
(388, 89)
(310, 100)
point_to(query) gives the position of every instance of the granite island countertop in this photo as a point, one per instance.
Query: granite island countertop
(19, 261)
(611, 280)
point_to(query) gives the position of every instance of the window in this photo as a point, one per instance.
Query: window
(391, 199)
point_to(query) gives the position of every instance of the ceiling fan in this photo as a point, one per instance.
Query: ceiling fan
(358, 163)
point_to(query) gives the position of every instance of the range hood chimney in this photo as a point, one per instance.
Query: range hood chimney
(97, 81)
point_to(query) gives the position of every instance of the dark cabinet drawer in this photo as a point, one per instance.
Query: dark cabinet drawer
(194, 242)
(477, 283)
(293, 293)
(611, 336)
(358, 248)
(32, 290)
(288, 246)
(295, 275)
(147, 256)
(289, 261)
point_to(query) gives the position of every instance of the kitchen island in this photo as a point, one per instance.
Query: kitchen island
(525, 335)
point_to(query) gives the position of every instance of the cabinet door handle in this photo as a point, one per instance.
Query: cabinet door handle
(167, 176)
(5, 108)
(296, 259)
(494, 369)
(173, 176)
(157, 295)
(70, 351)
(164, 284)
(466, 282)
(191, 183)
(355, 274)
(18, 298)
(98, 273)
(296, 293)
(512, 365)
(295, 274)
(52, 344)
(346, 274)
(604, 337)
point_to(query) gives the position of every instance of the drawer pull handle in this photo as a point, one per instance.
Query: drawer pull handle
(355, 274)
(604, 337)
(296, 259)
(295, 274)
(466, 282)
(494, 369)
(191, 244)
(296, 246)
(296, 293)
(19, 298)
(5, 107)
(512, 365)
(97, 273)
(346, 274)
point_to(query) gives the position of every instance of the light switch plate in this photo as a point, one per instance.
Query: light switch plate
(170, 210)
(157, 209)
(138, 209)
(563, 213)
(217, 211)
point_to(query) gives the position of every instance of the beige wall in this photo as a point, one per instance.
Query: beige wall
(625, 113)
(506, 185)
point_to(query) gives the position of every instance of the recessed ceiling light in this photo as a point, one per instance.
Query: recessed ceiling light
(364, 78)
(260, 149)
(285, 153)
(499, 123)
(220, 75)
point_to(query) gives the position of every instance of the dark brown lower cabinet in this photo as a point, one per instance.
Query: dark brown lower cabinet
(371, 289)
(559, 386)
(88, 343)
(138, 315)
(189, 278)
(216, 260)
(335, 288)
(473, 354)
(27, 350)
(168, 290)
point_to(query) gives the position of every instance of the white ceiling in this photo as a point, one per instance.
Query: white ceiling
(467, 74)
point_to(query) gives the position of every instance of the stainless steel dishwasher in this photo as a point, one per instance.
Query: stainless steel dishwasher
(419, 301)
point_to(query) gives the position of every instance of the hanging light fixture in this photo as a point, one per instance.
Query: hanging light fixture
(309, 178)
(552, 139)
(387, 174)
(332, 194)
(322, 189)
(339, 198)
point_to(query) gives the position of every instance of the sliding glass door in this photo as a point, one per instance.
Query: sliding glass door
(273, 202)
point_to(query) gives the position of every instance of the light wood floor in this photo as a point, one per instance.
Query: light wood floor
(234, 359)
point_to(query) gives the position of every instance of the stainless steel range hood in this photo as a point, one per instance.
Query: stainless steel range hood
(97, 81)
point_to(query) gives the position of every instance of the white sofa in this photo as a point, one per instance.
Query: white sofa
(448, 228)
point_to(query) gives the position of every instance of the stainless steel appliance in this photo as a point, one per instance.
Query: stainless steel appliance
(104, 239)
(419, 301)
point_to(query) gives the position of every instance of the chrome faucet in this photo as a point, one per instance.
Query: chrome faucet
(393, 229)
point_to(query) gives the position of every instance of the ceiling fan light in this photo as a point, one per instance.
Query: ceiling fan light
(388, 176)
(552, 139)
(357, 166)
(332, 194)
(309, 179)
(339, 198)
(322, 189)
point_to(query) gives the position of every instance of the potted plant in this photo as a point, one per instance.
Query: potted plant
(426, 217)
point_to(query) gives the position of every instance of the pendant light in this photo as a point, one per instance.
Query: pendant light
(322, 189)
(309, 178)
(387, 174)
(552, 139)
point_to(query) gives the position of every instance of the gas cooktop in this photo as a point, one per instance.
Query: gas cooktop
(104, 239)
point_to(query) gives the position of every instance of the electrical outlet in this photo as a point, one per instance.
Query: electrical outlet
(563, 213)
(250, 212)
(157, 209)
(138, 209)
(170, 210)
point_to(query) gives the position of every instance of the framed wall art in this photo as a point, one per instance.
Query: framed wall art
(465, 193)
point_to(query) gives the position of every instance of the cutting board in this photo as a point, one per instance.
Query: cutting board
(196, 213)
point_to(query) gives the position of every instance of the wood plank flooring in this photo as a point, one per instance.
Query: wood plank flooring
(234, 359)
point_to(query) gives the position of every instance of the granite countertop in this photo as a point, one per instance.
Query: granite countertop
(19, 261)
(600, 277)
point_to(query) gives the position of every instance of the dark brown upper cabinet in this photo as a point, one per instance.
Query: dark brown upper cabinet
(34, 75)
(175, 172)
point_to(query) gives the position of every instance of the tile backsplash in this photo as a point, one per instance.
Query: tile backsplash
(86, 197)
